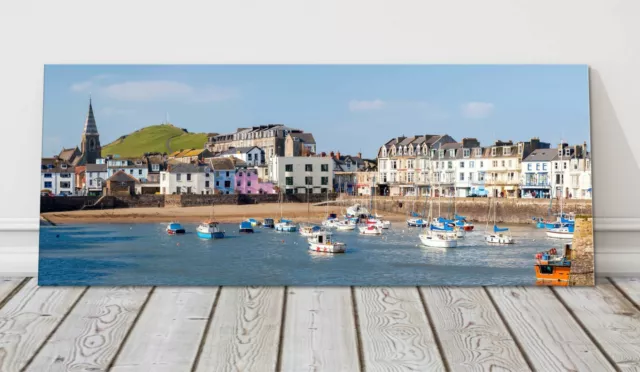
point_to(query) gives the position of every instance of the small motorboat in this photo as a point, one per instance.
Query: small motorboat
(553, 268)
(416, 222)
(346, 225)
(369, 230)
(286, 226)
(562, 232)
(254, 222)
(500, 236)
(175, 228)
(322, 241)
(331, 222)
(246, 227)
(309, 230)
(268, 223)
(209, 230)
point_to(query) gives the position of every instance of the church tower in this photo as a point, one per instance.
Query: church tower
(90, 144)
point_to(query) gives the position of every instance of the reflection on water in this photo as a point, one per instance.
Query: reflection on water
(143, 254)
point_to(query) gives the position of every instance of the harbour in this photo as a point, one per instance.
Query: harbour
(143, 253)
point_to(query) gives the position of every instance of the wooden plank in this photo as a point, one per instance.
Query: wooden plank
(319, 331)
(547, 333)
(7, 286)
(630, 287)
(92, 333)
(610, 318)
(29, 318)
(245, 330)
(167, 335)
(395, 331)
(472, 335)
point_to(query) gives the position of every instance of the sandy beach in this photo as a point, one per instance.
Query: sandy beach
(222, 213)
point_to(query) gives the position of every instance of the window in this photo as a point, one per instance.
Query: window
(394, 164)
(217, 183)
(544, 166)
(65, 175)
(130, 171)
(529, 166)
(437, 164)
(248, 156)
(47, 184)
(308, 180)
(47, 175)
(288, 168)
(324, 167)
(90, 182)
(217, 174)
(481, 164)
(289, 181)
(567, 151)
(410, 177)
(452, 153)
(466, 152)
(504, 163)
(188, 176)
(178, 177)
(206, 175)
(480, 176)
(555, 166)
(495, 163)
(308, 168)
(472, 164)
(461, 176)
(493, 151)
(206, 184)
(510, 163)
(520, 149)
(470, 176)
(537, 166)
(65, 185)
(506, 150)
(248, 183)
(155, 167)
(139, 172)
(227, 174)
(441, 153)
(410, 164)
(238, 183)
(384, 177)
(164, 176)
(450, 165)
(324, 180)
(227, 184)
(461, 164)
(564, 165)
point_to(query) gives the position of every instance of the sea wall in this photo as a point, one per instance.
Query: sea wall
(582, 273)
(475, 209)
(72, 203)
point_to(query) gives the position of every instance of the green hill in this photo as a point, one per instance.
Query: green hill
(154, 138)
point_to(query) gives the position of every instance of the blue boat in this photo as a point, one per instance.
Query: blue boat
(246, 227)
(209, 230)
(268, 223)
(175, 228)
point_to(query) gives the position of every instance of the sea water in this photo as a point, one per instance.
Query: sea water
(143, 254)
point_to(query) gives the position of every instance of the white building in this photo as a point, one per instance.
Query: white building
(253, 156)
(57, 179)
(536, 173)
(186, 179)
(135, 167)
(571, 172)
(95, 177)
(296, 174)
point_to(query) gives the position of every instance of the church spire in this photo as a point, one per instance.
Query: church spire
(90, 123)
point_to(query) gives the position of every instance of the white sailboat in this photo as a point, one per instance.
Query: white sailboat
(433, 236)
(499, 235)
(284, 224)
(565, 230)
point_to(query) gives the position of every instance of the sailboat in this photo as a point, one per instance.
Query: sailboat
(285, 225)
(415, 219)
(564, 228)
(209, 229)
(332, 219)
(434, 236)
(370, 226)
(499, 235)
(309, 229)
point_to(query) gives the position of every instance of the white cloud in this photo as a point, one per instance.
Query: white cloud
(477, 110)
(377, 104)
(86, 86)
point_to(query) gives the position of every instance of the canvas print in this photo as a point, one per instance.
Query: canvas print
(316, 175)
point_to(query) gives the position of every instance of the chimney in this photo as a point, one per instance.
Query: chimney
(338, 155)
(360, 155)
(332, 154)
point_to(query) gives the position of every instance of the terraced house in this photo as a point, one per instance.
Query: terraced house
(403, 163)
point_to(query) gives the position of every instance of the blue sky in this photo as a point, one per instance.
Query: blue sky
(348, 108)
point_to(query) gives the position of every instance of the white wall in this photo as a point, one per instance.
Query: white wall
(299, 173)
(600, 33)
(169, 183)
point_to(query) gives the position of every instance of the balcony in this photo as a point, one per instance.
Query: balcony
(501, 182)
(535, 185)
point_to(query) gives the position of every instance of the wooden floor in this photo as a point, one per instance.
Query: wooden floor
(319, 329)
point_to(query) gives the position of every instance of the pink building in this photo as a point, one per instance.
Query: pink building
(247, 182)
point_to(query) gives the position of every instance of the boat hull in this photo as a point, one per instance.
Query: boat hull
(552, 275)
(499, 239)
(327, 248)
(246, 231)
(560, 235)
(175, 232)
(286, 228)
(468, 228)
(430, 241)
(211, 235)
(346, 227)
(372, 231)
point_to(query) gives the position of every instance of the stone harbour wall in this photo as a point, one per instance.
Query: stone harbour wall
(509, 211)
(582, 262)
